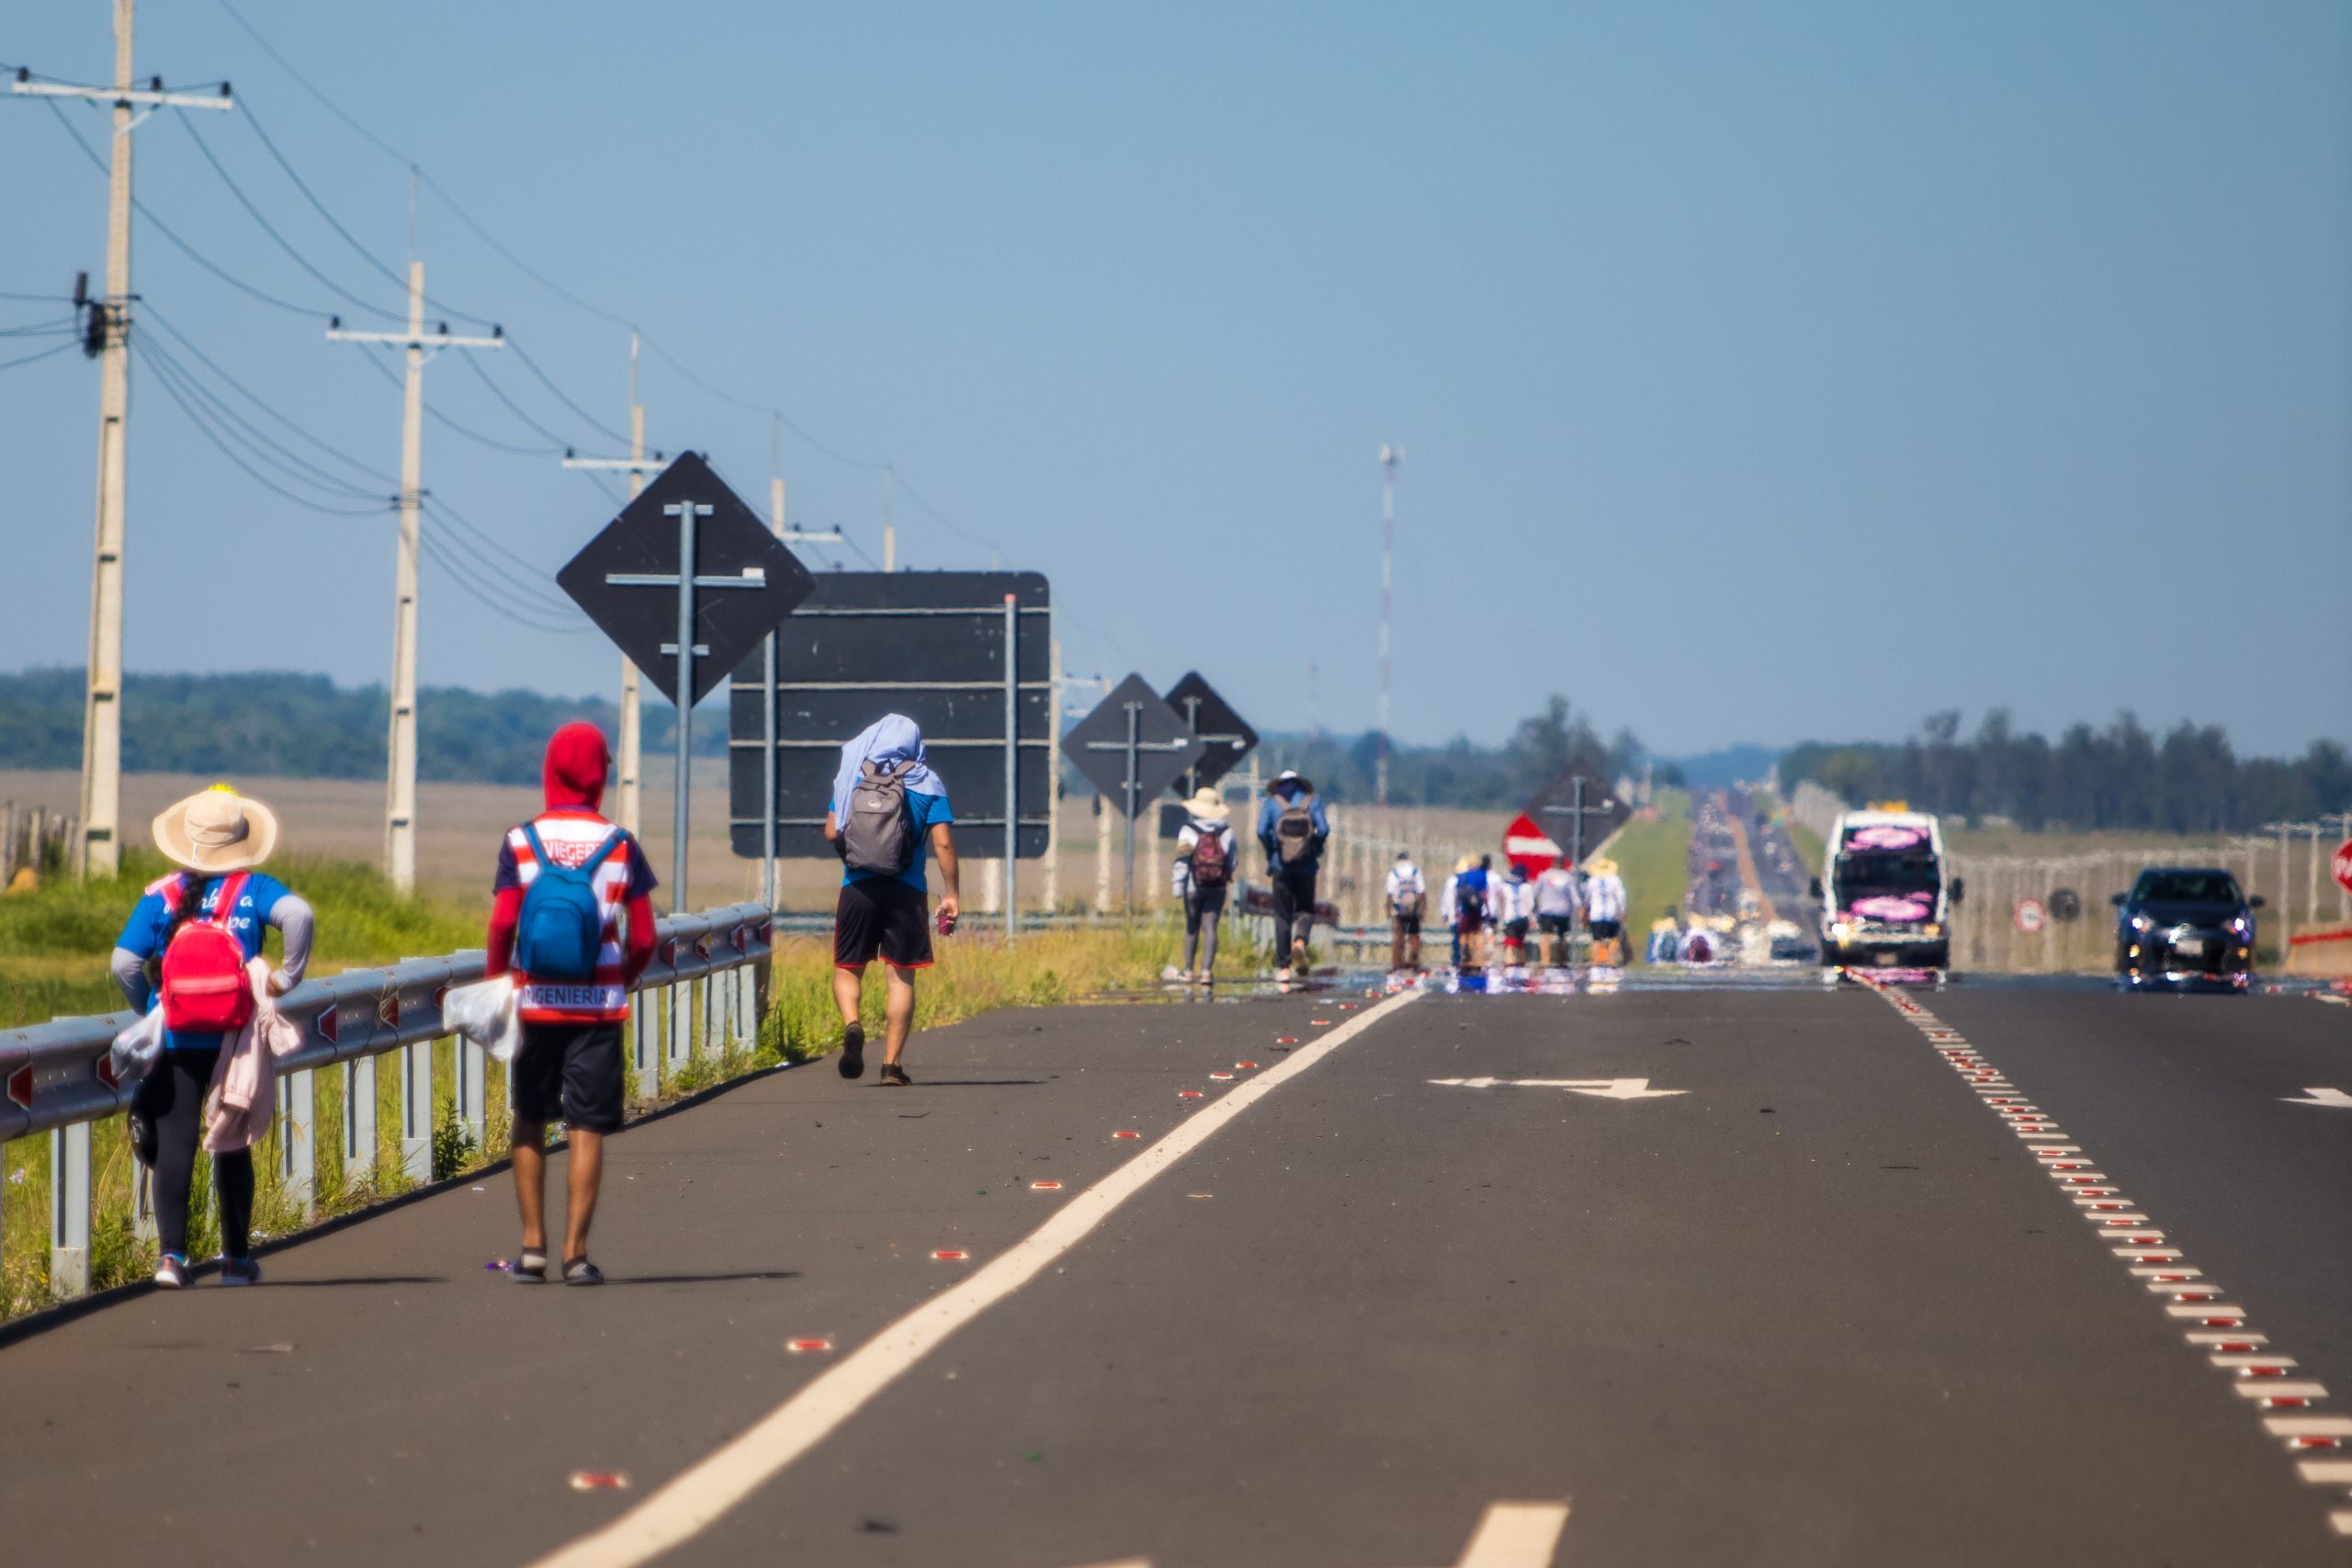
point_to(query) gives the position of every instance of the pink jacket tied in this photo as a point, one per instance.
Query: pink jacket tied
(243, 1096)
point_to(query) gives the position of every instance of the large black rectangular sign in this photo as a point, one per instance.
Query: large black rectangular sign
(926, 644)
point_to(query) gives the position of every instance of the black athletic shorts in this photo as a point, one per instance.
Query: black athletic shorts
(1515, 930)
(570, 1073)
(882, 917)
(1554, 925)
(1407, 925)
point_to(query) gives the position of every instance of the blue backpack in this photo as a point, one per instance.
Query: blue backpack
(561, 932)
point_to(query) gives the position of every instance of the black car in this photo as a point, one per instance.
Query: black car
(2185, 926)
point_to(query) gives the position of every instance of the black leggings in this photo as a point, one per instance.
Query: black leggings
(171, 1099)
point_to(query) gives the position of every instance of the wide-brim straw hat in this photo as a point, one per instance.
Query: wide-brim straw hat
(217, 830)
(1601, 867)
(1208, 805)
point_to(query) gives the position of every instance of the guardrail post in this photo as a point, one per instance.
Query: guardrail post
(359, 1119)
(69, 1210)
(416, 1112)
(471, 1100)
(681, 1026)
(747, 1005)
(643, 1059)
(142, 1203)
(297, 1151)
(714, 1019)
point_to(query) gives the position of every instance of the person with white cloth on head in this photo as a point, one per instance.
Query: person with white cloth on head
(1604, 910)
(1203, 871)
(887, 808)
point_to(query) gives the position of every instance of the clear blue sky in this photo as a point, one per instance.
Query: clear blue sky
(1765, 372)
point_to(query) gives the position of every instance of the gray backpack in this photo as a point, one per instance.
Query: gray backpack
(879, 836)
(1294, 833)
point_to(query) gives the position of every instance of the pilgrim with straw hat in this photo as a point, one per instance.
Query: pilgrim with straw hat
(1203, 871)
(218, 838)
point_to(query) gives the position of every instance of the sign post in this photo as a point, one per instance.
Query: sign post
(1012, 765)
(753, 582)
(1133, 745)
(1576, 811)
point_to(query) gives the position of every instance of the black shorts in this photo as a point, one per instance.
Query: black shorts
(1554, 925)
(1406, 925)
(1605, 930)
(882, 917)
(570, 1073)
(1515, 930)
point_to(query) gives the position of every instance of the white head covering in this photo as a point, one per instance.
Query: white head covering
(893, 739)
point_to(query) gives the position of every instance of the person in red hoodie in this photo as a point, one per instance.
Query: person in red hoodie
(569, 1065)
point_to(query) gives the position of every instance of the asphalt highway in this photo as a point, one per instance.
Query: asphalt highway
(1707, 1273)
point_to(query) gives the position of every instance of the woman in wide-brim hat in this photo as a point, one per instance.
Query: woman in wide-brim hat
(1205, 863)
(218, 839)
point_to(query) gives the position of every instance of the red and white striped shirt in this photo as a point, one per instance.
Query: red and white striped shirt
(571, 834)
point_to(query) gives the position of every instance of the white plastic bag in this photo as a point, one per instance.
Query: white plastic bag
(484, 1013)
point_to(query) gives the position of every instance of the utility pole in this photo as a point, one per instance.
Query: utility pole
(399, 811)
(630, 743)
(100, 852)
(889, 534)
(1389, 458)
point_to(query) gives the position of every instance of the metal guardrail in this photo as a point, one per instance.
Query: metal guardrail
(59, 1078)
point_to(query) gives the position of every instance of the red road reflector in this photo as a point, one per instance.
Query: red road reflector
(1044, 1187)
(1245, 1066)
(1127, 1132)
(1188, 1094)
(1319, 1023)
(1285, 1038)
(809, 1347)
(2284, 1402)
(950, 1255)
(599, 1481)
(1221, 1076)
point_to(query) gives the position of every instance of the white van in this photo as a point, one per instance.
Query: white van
(1886, 892)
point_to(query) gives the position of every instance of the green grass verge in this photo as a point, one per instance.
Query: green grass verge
(1655, 860)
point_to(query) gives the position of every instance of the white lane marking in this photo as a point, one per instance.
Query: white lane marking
(1605, 1088)
(2257, 1378)
(1516, 1535)
(690, 1502)
(2308, 1425)
(2335, 1098)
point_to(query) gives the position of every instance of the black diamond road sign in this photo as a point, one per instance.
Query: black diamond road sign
(1224, 736)
(746, 582)
(1578, 818)
(1099, 745)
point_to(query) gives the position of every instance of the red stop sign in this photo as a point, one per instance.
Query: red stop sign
(2342, 865)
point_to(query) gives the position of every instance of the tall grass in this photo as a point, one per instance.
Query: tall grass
(1655, 860)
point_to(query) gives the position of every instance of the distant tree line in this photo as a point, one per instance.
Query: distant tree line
(1460, 773)
(2187, 781)
(293, 726)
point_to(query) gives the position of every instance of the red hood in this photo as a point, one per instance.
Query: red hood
(576, 767)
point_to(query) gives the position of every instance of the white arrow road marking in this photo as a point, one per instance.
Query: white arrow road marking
(2335, 1098)
(1606, 1089)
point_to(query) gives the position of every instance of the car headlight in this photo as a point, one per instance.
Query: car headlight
(2139, 922)
(1842, 928)
(2240, 925)
(1931, 929)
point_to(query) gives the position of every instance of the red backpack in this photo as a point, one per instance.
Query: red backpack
(1211, 866)
(205, 989)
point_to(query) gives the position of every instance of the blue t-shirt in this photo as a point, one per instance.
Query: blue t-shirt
(143, 934)
(928, 811)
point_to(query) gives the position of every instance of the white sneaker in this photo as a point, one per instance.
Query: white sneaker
(170, 1273)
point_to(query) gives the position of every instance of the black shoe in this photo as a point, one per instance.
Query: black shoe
(853, 1063)
(895, 1075)
(580, 1271)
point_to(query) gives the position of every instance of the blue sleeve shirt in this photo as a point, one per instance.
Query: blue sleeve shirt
(928, 811)
(143, 934)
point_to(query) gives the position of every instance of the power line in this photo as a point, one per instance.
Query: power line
(337, 453)
(565, 398)
(437, 417)
(170, 233)
(29, 358)
(434, 552)
(321, 208)
(252, 473)
(515, 409)
(265, 450)
(452, 514)
(283, 243)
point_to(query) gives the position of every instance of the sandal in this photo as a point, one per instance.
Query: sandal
(580, 1271)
